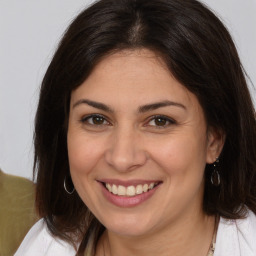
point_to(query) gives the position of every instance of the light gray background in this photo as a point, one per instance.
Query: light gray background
(29, 33)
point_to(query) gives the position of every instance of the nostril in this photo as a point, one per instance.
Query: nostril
(125, 160)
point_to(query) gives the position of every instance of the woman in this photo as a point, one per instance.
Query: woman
(145, 137)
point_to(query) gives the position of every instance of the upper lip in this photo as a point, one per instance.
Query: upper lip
(127, 183)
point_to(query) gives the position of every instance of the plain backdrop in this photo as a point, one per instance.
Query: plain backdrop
(29, 33)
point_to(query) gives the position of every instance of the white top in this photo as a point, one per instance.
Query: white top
(234, 238)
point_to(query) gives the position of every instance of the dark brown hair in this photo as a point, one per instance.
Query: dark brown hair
(198, 51)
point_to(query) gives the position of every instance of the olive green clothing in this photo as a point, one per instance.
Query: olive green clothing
(17, 212)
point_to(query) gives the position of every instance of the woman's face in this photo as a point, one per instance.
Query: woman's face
(138, 144)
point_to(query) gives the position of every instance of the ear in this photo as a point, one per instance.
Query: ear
(215, 142)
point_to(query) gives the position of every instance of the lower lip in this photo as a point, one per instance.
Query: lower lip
(128, 201)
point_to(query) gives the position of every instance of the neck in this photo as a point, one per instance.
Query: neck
(190, 234)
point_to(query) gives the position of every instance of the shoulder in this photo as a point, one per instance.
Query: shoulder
(237, 237)
(247, 230)
(40, 242)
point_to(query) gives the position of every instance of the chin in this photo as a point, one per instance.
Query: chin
(129, 226)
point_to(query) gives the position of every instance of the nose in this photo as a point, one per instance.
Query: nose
(126, 151)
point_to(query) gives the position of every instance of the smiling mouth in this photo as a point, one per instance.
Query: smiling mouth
(130, 191)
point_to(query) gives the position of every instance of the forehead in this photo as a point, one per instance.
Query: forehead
(138, 75)
(132, 65)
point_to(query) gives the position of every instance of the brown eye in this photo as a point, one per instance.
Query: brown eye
(160, 122)
(95, 120)
(98, 120)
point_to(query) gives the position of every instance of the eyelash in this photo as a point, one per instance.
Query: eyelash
(169, 121)
(85, 120)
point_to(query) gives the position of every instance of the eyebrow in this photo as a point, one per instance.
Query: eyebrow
(160, 104)
(94, 104)
(141, 109)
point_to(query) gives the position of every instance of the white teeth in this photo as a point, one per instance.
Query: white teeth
(139, 189)
(130, 190)
(114, 189)
(145, 187)
(151, 185)
(108, 187)
(121, 191)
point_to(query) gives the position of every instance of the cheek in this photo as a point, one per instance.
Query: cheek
(83, 157)
(83, 154)
(181, 156)
(182, 160)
